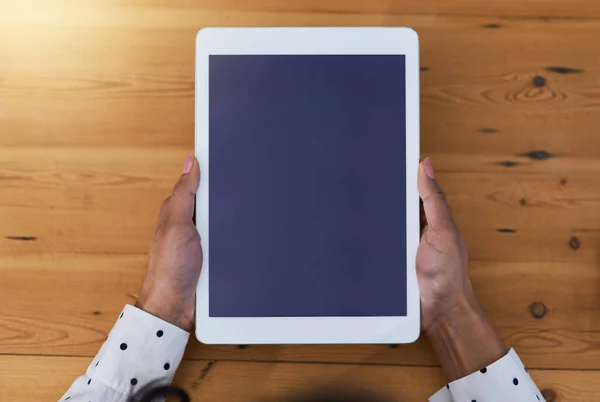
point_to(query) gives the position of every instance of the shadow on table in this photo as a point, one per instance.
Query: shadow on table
(155, 392)
(334, 394)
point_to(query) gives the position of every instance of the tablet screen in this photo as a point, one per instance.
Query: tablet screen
(307, 185)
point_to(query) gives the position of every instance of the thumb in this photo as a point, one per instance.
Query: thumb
(437, 210)
(181, 202)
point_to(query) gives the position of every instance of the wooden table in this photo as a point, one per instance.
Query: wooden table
(96, 116)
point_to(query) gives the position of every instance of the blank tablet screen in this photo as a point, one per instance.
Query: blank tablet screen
(307, 185)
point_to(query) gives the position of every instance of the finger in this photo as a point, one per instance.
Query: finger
(437, 211)
(180, 205)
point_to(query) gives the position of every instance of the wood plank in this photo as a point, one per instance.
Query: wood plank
(497, 84)
(523, 8)
(532, 201)
(568, 293)
(65, 304)
(84, 200)
(562, 8)
(476, 80)
(90, 206)
(129, 230)
(83, 294)
(228, 381)
(246, 381)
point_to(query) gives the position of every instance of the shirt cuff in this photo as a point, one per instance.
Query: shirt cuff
(504, 380)
(141, 349)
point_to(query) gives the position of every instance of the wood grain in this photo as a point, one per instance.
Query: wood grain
(277, 381)
(522, 8)
(96, 115)
(266, 382)
(89, 206)
(83, 294)
(476, 79)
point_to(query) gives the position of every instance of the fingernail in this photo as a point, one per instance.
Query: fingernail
(187, 165)
(428, 168)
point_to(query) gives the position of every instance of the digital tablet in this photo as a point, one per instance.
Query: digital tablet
(308, 142)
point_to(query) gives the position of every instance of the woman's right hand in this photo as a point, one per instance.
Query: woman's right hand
(442, 263)
(452, 318)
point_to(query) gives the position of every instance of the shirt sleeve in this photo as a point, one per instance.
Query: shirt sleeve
(140, 350)
(504, 380)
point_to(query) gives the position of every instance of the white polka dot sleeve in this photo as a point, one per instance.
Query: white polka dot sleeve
(141, 349)
(504, 380)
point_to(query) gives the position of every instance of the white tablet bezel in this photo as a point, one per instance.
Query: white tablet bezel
(308, 330)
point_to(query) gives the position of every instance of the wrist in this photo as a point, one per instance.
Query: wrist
(464, 340)
(465, 311)
(166, 311)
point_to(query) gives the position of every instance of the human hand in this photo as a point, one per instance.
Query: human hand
(169, 288)
(452, 318)
(442, 263)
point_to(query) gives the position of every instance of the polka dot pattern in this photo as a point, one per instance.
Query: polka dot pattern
(140, 350)
(504, 380)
